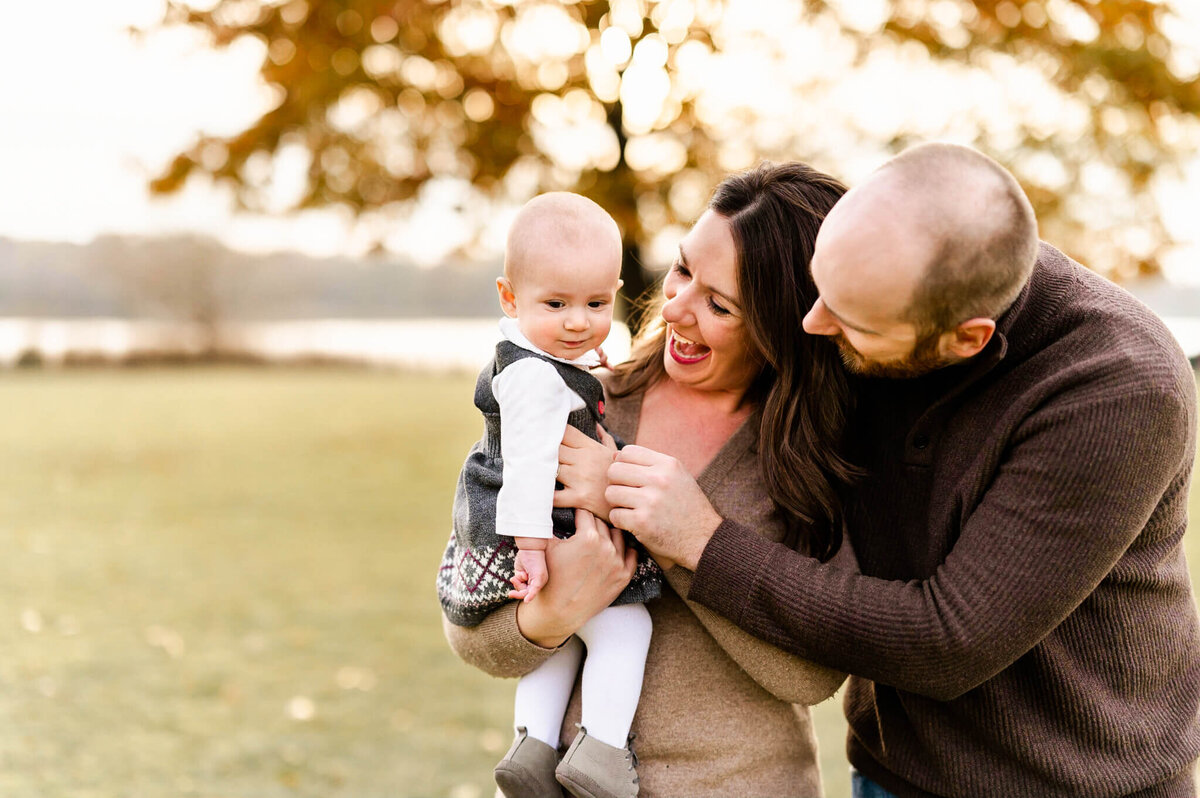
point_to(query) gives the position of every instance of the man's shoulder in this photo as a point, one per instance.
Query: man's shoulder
(1100, 323)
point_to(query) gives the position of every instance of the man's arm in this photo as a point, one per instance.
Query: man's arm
(1049, 529)
(782, 674)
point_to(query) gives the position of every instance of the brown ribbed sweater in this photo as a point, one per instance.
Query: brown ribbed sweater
(1023, 624)
(722, 713)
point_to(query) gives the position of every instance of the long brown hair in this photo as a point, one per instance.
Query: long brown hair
(801, 394)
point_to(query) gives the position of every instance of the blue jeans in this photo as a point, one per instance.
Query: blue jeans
(862, 787)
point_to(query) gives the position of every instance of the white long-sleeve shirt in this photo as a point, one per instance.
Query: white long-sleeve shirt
(534, 405)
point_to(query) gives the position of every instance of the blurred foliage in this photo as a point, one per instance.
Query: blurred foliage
(644, 104)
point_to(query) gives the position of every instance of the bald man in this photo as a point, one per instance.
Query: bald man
(1023, 623)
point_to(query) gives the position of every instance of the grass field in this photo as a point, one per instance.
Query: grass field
(218, 583)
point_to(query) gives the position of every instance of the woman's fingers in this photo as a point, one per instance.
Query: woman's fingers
(567, 497)
(617, 537)
(631, 558)
(609, 441)
(574, 438)
(626, 556)
(585, 525)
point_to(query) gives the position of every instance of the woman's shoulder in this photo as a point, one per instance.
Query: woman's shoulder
(621, 409)
(611, 380)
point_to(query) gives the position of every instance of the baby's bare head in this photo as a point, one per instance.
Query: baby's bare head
(562, 236)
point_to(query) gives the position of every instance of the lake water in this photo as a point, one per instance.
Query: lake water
(431, 344)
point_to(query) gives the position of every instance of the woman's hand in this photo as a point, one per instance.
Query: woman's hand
(654, 497)
(583, 470)
(587, 571)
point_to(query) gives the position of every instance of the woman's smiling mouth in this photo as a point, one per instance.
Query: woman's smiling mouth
(686, 351)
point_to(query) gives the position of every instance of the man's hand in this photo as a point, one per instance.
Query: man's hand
(654, 497)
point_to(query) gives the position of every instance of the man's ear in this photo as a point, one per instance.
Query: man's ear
(967, 339)
(508, 299)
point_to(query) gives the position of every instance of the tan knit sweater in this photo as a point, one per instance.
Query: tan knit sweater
(721, 713)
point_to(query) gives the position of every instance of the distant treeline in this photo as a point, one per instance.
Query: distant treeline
(197, 279)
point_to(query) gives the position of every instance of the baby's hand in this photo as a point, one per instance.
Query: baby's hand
(530, 574)
(520, 583)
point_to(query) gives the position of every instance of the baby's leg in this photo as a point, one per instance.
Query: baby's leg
(617, 640)
(542, 694)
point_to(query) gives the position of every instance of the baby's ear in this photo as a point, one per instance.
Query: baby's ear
(508, 299)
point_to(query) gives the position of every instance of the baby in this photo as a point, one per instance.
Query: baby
(562, 265)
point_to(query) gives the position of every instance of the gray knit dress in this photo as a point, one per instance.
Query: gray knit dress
(476, 569)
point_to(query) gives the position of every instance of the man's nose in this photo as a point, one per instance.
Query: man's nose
(818, 320)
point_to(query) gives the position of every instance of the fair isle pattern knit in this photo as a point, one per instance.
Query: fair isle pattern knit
(477, 566)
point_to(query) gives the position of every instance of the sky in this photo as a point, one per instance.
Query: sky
(96, 112)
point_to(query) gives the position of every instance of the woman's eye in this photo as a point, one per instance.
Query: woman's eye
(717, 309)
(680, 269)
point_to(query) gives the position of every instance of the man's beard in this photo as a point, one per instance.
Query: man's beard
(923, 359)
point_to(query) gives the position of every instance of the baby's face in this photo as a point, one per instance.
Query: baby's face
(564, 306)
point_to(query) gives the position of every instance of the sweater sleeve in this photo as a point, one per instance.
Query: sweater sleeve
(783, 675)
(496, 646)
(1078, 484)
(534, 406)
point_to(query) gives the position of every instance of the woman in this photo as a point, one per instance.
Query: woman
(729, 386)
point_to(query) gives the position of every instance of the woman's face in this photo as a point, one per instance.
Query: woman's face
(708, 346)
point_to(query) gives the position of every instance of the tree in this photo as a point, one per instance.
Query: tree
(643, 104)
(183, 279)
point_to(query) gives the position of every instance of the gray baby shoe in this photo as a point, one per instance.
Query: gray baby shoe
(592, 769)
(527, 770)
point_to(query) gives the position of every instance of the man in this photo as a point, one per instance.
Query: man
(1023, 624)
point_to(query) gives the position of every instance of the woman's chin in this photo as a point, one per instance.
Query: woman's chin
(686, 373)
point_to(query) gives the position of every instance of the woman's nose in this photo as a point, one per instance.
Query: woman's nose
(675, 308)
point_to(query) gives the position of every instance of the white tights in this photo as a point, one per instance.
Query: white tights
(617, 639)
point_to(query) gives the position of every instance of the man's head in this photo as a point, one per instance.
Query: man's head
(915, 265)
(562, 269)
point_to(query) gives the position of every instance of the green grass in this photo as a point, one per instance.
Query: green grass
(218, 583)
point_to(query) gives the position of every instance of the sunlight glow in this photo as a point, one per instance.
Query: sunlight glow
(78, 166)
(544, 32)
(615, 45)
(644, 89)
(470, 28)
